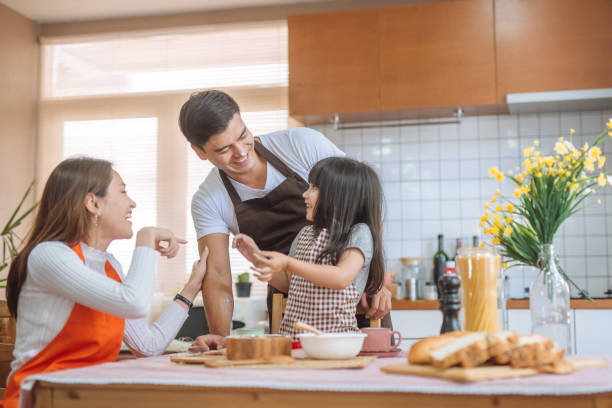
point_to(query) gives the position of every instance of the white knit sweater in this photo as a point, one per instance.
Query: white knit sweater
(57, 278)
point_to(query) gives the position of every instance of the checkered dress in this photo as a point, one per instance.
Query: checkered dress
(329, 310)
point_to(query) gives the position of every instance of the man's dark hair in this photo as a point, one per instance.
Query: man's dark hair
(206, 114)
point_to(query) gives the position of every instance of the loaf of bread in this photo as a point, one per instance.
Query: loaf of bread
(535, 351)
(501, 345)
(469, 350)
(257, 347)
(420, 352)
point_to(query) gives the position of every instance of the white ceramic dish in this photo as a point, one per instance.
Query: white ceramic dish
(332, 346)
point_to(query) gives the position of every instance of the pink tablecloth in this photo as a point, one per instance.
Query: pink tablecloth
(160, 370)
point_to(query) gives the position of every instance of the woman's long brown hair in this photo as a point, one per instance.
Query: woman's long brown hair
(61, 214)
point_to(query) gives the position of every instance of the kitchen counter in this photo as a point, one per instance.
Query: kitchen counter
(512, 304)
(156, 382)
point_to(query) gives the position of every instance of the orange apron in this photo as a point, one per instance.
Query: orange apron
(89, 337)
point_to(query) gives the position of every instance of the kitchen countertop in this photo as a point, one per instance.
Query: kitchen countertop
(512, 304)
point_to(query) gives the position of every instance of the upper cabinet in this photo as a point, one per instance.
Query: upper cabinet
(333, 62)
(552, 45)
(437, 55)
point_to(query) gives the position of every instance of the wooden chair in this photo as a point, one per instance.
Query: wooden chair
(7, 343)
(279, 302)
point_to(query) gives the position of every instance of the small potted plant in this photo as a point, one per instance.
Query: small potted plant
(243, 286)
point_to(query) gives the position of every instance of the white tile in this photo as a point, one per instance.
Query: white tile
(487, 127)
(449, 150)
(431, 210)
(352, 137)
(575, 266)
(411, 229)
(591, 122)
(392, 191)
(488, 148)
(509, 147)
(371, 136)
(596, 266)
(451, 209)
(449, 169)
(468, 149)
(575, 225)
(411, 248)
(508, 126)
(392, 230)
(410, 134)
(471, 209)
(411, 210)
(596, 245)
(371, 153)
(393, 249)
(468, 129)
(410, 190)
(470, 169)
(429, 151)
(410, 170)
(431, 228)
(390, 172)
(391, 135)
(574, 246)
(570, 120)
(391, 153)
(469, 188)
(529, 125)
(393, 210)
(449, 189)
(353, 151)
(429, 133)
(550, 124)
(430, 190)
(449, 132)
(451, 228)
(595, 224)
(430, 170)
(410, 151)
(597, 286)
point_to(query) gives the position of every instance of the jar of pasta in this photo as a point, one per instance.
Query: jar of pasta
(479, 269)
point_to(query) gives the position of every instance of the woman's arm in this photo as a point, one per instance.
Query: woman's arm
(334, 277)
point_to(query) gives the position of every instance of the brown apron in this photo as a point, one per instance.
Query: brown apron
(274, 220)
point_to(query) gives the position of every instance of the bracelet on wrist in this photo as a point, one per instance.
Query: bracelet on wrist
(184, 300)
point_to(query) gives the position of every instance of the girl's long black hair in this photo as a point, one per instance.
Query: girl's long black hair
(349, 193)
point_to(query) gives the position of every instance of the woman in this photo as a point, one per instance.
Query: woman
(73, 304)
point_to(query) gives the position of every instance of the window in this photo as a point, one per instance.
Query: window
(118, 97)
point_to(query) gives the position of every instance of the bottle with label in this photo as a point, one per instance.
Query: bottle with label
(457, 248)
(475, 241)
(439, 260)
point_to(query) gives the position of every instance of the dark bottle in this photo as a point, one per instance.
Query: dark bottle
(439, 259)
(475, 241)
(457, 249)
(450, 304)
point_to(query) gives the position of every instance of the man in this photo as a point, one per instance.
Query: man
(255, 188)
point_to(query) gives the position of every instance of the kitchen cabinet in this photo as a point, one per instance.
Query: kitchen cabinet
(552, 45)
(593, 331)
(439, 54)
(333, 62)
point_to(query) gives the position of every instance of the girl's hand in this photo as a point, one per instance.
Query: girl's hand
(247, 247)
(160, 239)
(269, 263)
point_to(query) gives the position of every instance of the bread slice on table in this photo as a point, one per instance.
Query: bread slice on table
(420, 352)
(535, 351)
(469, 350)
(501, 345)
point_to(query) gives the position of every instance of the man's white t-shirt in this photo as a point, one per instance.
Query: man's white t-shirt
(299, 148)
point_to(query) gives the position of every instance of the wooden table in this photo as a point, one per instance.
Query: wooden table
(368, 387)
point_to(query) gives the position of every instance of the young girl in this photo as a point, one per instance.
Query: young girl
(72, 302)
(332, 261)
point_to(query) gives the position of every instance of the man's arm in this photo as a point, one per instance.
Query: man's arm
(217, 285)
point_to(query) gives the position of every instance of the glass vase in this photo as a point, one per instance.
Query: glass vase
(549, 301)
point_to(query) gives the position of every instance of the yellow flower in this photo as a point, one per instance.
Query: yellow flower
(560, 140)
(517, 169)
(497, 192)
(548, 160)
(561, 148)
(493, 199)
(517, 192)
(495, 241)
(602, 180)
(487, 231)
(601, 161)
(585, 147)
(499, 177)
(510, 207)
(550, 171)
(519, 177)
(499, 207)
(609, 124)
(493, 170)
(595, 152)
(524, 189)
(572, 131)
(496, 219)
(536, 142)
(610, 133)
(495, 231)
(486, 205)
(481, 223)
(528, 151)
(576, 153)
(482, 244)
(508, 230)
(508, 220)
(598, 201)
(487, 214)
(573, 186)
(589, 165)
(505, 265)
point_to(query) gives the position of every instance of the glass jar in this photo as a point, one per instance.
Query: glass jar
(430, 291)
(549, 301)
(479, 269)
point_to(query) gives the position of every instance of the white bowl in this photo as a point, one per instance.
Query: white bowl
(332, 346)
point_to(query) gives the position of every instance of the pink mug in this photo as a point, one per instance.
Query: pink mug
(379, 339)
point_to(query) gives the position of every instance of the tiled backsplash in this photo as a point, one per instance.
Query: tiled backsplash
(436, 180)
